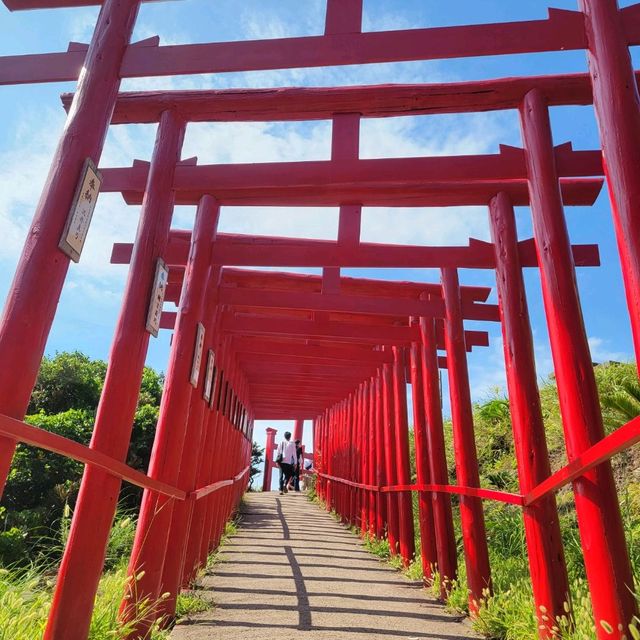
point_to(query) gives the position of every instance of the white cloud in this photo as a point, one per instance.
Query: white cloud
(602, 352)
(82, 24)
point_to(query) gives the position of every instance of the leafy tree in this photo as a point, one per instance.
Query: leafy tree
(41, 484)
(67, 381)
(256, 462)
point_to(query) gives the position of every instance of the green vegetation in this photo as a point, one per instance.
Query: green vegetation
(42, 487)
(509, 614)
(38, 502)
(257, 453)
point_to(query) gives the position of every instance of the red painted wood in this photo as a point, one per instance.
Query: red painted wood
(34, 436)
(334, 331)
(475, 492)
(343, 16)
(269, 180)
(601, 530)
(268, 458)
(31, 301)
(563, 30)
(403, 464)
(292, 252)
(195, 441)
(342, 332)
(621, 439)
(442, 513)
(542, 526)
(337, 302)
(617, 107)
(194, 543)
(371, 478)
(356, 286)
(575, 192)
(83, 559)
(393, 521)
(152, 531)
(298, 430)
(305, 351)
(380, 476)
(215, 473)
(473, 528)
(322, 103)
(428, 551)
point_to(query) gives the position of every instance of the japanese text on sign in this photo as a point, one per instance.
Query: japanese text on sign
(79, 219)
(157, 297)
(197, 356)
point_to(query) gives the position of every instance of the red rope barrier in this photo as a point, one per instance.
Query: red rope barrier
(210, 488)
(616, 442)
(37, 437)
(475, 492)
(28, 434)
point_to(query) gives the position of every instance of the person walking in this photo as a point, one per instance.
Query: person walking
(298, 469)
(286, 457)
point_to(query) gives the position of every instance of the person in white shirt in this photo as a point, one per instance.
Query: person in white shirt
(286, 457)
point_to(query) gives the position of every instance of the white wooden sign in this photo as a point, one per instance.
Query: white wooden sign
(157, 297)
(207, 391)
(197, 355)
(82, 207)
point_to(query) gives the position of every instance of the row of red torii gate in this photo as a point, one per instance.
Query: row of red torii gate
(255, 344)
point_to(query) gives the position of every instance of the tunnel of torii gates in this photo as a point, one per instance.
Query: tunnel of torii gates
(251, 344)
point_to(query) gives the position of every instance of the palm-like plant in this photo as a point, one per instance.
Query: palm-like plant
(623, 404)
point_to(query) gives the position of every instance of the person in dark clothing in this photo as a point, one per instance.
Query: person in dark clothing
(298, 468)
(286, 458)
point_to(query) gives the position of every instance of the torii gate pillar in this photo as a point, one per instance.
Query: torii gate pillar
(298, 430)
(268, 458)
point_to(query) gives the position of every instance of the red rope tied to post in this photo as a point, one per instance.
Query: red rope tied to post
(621, 439)
(37, 437)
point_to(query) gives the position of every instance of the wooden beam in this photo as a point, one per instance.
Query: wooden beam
(422, 181)
(371, 101)
(561, 31)
(263, 251)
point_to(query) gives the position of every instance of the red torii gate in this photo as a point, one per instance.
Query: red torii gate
(534, 175)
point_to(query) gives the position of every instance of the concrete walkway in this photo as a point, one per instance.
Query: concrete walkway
(293, 572)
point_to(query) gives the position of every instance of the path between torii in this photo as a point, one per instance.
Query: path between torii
(293, 572)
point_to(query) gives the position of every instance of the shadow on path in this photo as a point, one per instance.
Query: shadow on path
(268, 584)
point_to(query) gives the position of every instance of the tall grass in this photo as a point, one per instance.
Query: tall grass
(26, 592)
(25, 599)
(509, 614)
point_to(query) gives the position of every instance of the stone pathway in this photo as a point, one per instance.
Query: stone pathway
(293, 572)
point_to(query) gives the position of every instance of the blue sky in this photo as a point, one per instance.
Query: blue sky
(33, 119)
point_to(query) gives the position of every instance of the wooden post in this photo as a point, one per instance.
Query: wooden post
(403, 472)
(428, 552)
(603, 542)
(84, 554)
(192, 560)
(371, 439)
(298, 430)
(474, 536)
(393, 522)
(149, 547)
(219, 449)
(542, 526)
(442, 514)
(195, 439)
(380, 475)
(617, 106)
(268, 458)
(32, 299)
